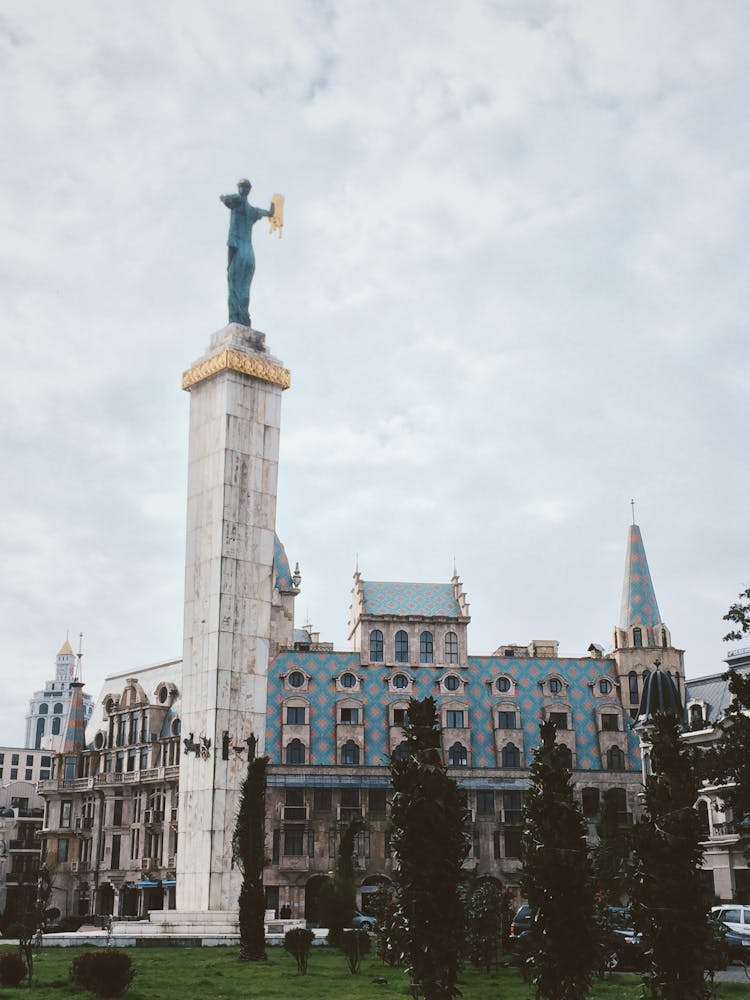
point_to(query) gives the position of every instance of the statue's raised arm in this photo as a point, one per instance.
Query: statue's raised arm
(241, 259)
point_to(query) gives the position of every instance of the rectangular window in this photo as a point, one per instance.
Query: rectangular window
(506, 720)
(46, 762)
(497, 845)
(475, 843)
(29, 760)
(294, 841)
(65, 809)
(400, 717)
(350, 716)
(485, 802)
(295, 715)
(294, 797)
(144, 758)
(454, 719)
(609, 723)
(28, 773)
(512, 843)
(62, 850)
(560, 719)
(116, 840)
(275, 849)
(132, 759)
(322, 801)
(331, 843)
(117, 817)
(135, 844)
(350, 797)
(14, 774)
(377, 801)
(310, 843)
(14, 759)
(590, 801)
(513, 808)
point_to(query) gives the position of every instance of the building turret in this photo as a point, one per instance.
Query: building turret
(659, 697)
(641, 630)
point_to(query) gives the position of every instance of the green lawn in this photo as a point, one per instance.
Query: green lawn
(193, 973)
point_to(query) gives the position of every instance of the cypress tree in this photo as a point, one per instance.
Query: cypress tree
(665, 884)
(249, 854)
(564, 947)
(430, 844)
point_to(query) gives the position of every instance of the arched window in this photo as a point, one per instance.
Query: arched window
(503, 684)
(703, 818)
(555, 685)
(350, 753)
(57, 708)
(615, 759)
(425, 647)
(401, 752)
(348, 680)
(39, 733)
(637, 637)
(451, 647)
(402, 647)
(43, 708)
(696, 715)
(511, 756)
(295, 752)
(566, 755)
(590, 801)
(664, 638)
(457, 756)
(633, 687)
(604, 686)
(56, 726)
(376, 646)
(399, 681)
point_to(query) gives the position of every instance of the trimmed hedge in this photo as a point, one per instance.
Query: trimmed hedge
(298, 942)
(12, 968)
(107, 972)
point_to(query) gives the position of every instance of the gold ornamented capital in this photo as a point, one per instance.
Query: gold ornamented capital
(237, 361)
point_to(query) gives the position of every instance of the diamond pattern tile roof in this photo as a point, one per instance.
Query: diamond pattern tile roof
(638, 605)
(281, 566)
(425, 599)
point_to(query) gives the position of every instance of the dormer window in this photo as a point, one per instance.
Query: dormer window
(503, 684)
(376, 646)
(605, 686)
(348, 680)
(296, 679)
(637, 637)
(555, 685)
(696, 715)
(401, 647)
(425, 647)
(452, 683)
(400, 681)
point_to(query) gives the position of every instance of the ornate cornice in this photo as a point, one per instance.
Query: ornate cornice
(237, 361)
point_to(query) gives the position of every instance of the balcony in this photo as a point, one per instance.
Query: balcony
(728, 829)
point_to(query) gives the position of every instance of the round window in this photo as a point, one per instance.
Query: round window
(604, 687)
(555, 686)
(503, 684)
(109, 704)
(452, 682)
(296, 679)
(163, 693)
(176, 727)
(348, 680)
(400, 681)
(99, 741)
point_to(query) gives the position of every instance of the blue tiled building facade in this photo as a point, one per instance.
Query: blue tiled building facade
(334, 719)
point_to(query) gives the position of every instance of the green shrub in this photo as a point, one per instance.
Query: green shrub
(298, 942)
(12, 969)
(108, 972)
(355, 944)
(13, 930)
(69, 923)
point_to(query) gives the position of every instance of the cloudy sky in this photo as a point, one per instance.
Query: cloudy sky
(512, 291)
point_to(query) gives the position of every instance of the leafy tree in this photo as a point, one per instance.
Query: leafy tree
(739, 614)
(30, 918)
(557, 879)
(727, 761)
(355, 944)
(610, 856)
(298, 942)
(665, 884)
(484, 923)
(391, 939)
(430, 844)
(338, 896)
(249, 854)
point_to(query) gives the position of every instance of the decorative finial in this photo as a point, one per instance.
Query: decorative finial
(632, 507)
(79, 671)
(296, 576)
(657, 663)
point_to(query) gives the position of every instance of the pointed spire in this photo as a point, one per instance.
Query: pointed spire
(638, 605)
(67, 649)
(75, 729)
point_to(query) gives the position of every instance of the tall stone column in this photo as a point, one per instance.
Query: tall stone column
(235, 409)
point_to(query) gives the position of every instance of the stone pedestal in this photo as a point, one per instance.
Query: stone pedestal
(235, 409)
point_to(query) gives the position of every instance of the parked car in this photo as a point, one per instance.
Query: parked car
(625, 949)
(362, 922)
(736, 921)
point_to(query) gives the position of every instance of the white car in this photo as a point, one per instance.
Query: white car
(734, 916)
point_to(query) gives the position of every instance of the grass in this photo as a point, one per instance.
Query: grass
(187, 973)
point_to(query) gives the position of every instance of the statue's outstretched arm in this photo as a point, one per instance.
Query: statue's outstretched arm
(230, 200)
